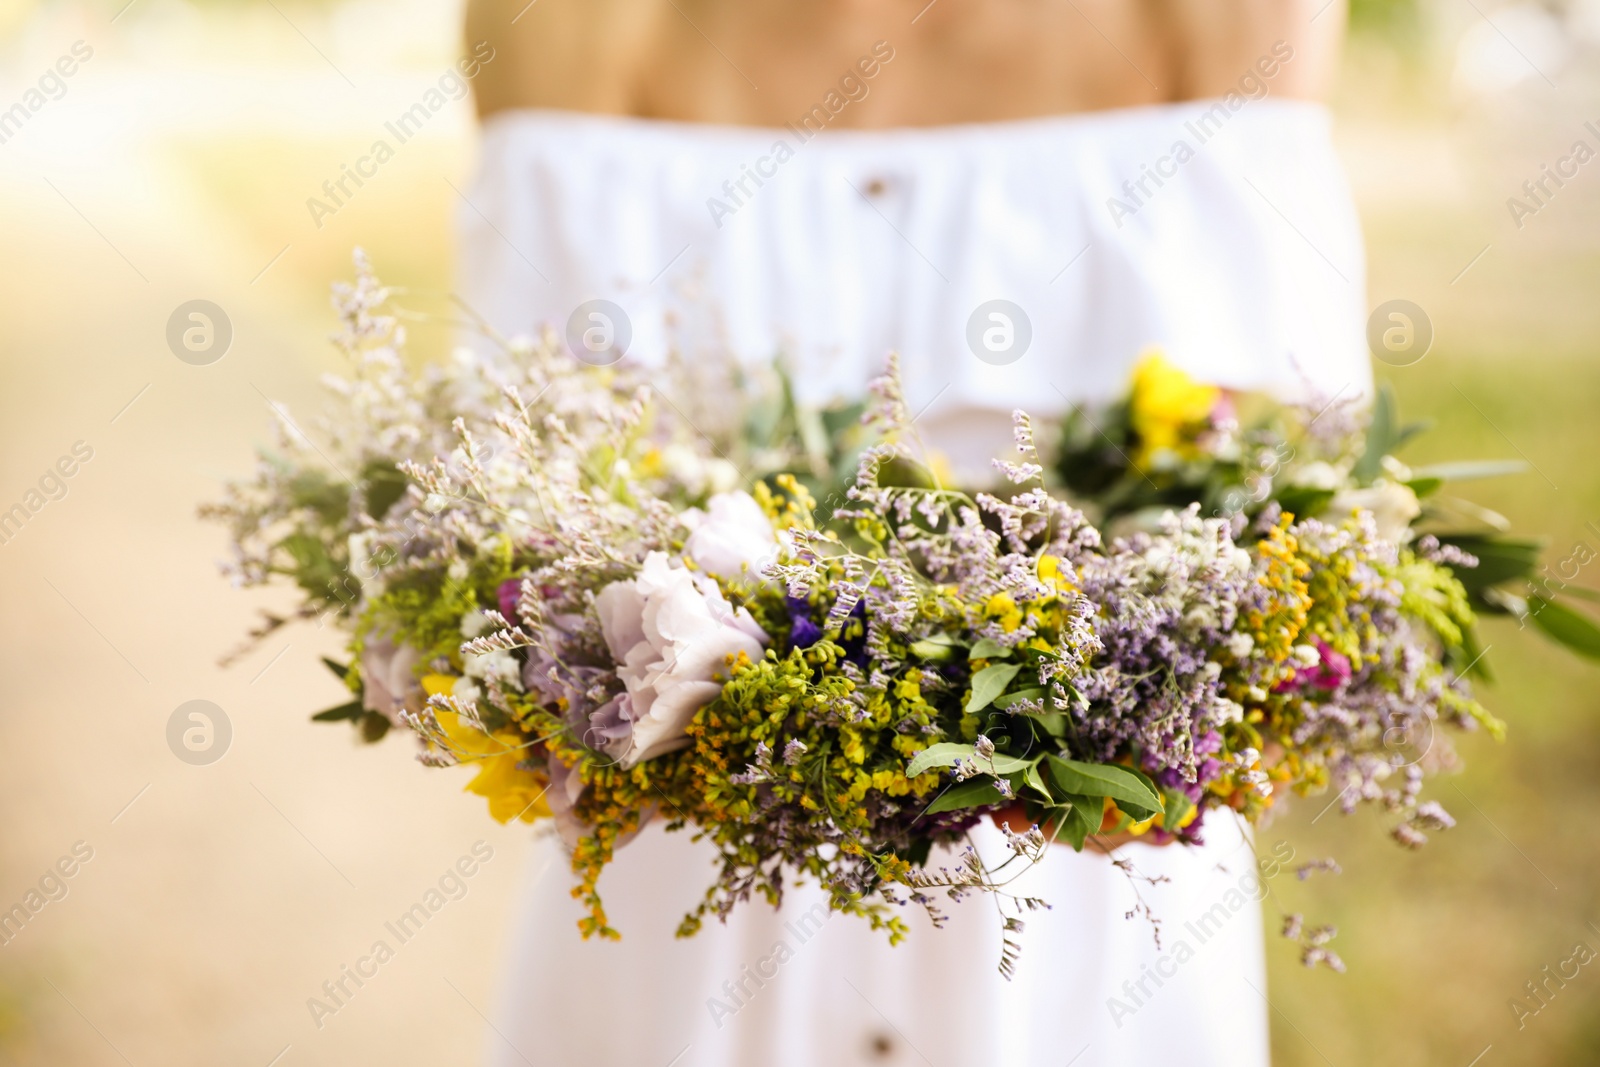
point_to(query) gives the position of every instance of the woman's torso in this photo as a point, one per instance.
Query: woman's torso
(760, 62)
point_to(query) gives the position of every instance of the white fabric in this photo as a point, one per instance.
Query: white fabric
(1245, 265)
(840, 996)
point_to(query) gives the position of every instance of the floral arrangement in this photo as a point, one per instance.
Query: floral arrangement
(616, 612)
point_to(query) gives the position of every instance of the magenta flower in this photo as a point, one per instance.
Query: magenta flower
(1331, 671)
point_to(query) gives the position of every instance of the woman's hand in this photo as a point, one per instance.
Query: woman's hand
(1015, 818)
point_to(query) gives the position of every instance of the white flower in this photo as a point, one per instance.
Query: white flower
(697, 473)
(721, 475)
(389, 680)
(502, 666)
(1393, 506)
(1319, 475)
(466, 690)
(670, 634)
(734, 539)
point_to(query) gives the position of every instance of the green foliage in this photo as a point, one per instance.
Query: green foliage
(1566, 626)
(989, 683)
(1131, 791)
(424, 608)
(974, 793)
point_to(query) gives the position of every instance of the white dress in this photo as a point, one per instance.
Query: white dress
(1225, 236)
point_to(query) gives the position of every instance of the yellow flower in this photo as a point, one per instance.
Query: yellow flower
(512, 791)
(939, 466)
(1165, 402)
(438, 684)
(1052, 574)
(1004, 609)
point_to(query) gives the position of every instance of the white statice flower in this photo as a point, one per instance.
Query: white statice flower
(671, 634)
(1241, 645)
(1307, 655)
(389, 679)
(1393, 507)
(732, 538)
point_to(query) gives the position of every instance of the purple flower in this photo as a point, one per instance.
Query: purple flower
(803, 631)
(611, 725)
(855, 647)
(508, 594)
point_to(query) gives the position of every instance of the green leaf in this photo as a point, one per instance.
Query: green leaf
(373, 727)
(1565, 626)
(1141, 812)
(385, 485)
(1020, 694)
(1053, 723)
(948, 753)
(840, 418)
(943, 754)
(1081, 819)
(1104, 779)
(918, 852)
(1500, 559)
(1177, 809)
(340, 669)
(351, 711)
(934, 650)
(1424, 487)
(1302, 500)
(1382, 437)
(1408, 431)
(1004, 764)
(988, 648)
(973, 793)
(1032, 779)
(990, 683)
(1470, 469)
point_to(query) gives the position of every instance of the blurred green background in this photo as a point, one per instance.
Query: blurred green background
(1440, 942)
(177, 165)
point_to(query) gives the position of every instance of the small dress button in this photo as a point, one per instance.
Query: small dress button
(877, 187)
(882, 1046)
